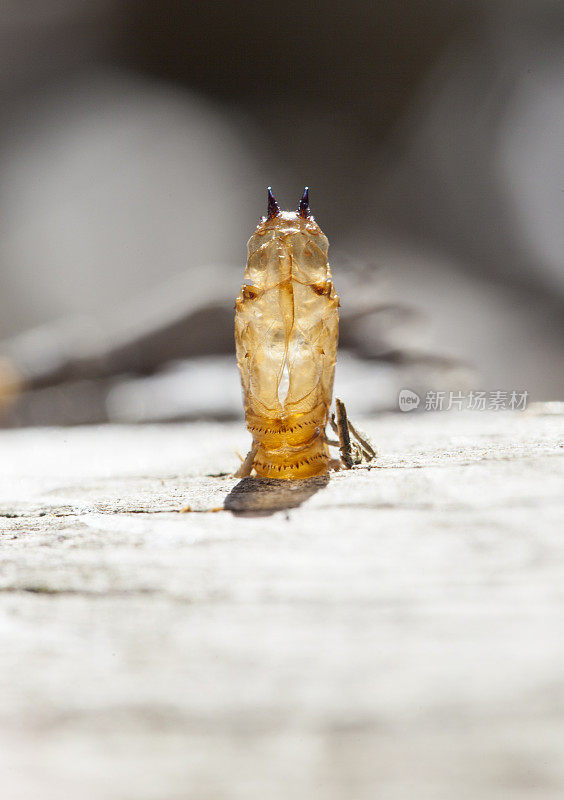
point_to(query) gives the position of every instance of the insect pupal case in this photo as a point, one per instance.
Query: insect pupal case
(286, 332)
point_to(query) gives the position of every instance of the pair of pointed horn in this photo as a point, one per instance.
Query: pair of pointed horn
(303, 210)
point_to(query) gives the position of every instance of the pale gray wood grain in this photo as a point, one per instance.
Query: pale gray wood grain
(398, 635)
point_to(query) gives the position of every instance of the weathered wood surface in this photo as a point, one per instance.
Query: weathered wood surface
(399, 635)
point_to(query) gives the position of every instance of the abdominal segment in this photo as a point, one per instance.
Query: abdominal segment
(290, 446)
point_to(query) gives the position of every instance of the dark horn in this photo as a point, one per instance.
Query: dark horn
(273, 208)
(303, 208)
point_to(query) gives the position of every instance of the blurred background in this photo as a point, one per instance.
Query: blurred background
(136, 143)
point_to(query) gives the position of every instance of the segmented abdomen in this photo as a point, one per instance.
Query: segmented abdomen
(290, 446)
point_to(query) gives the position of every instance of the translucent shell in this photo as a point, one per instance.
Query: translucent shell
(286, 332)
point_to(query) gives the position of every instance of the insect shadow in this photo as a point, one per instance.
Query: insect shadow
(257, 497)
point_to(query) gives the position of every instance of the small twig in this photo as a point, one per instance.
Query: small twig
(246, 467)
(367, 448)
(343, 430)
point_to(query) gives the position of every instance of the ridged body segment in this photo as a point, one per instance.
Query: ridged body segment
(286, 331)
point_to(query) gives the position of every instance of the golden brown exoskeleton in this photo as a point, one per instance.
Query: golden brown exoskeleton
(286, 332)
